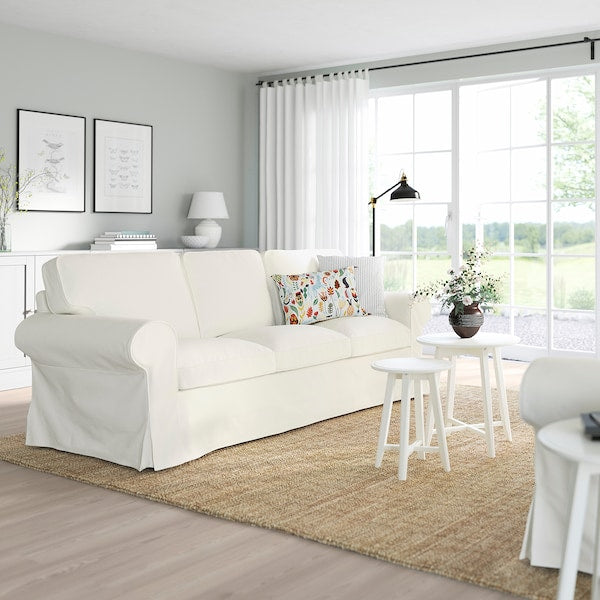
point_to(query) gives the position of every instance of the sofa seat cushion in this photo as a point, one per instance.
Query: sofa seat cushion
(298, 346)
(210, 361)
(370, 334)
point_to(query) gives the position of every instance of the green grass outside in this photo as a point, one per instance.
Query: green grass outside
(574, 278)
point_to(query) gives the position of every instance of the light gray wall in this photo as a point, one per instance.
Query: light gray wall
(251, 117)
(201, 126)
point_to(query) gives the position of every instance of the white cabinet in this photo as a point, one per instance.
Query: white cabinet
(17, 291)
(20, 280)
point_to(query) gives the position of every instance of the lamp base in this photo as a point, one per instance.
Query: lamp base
(211, 229)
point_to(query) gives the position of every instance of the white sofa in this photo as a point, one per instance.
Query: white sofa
(155, 359)
(554, 389)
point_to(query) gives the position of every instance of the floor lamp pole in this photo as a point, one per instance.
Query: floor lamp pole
(373, 203)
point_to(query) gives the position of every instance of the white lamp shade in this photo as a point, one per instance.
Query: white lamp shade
(208, 205)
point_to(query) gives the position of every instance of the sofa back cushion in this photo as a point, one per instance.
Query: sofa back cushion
(229, 288)
(289, 262)
(292, 262)
(140, 285)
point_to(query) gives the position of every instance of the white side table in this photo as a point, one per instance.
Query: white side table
(412, 370)
(566, 439)
(481, 345)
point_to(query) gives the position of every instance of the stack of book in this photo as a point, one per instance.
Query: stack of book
(124, 241)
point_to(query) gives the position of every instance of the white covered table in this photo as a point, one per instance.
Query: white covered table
(481, 345)
(554, 389)
(566, 439)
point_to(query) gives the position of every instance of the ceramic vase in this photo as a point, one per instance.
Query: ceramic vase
(467, 323)
(5, 236)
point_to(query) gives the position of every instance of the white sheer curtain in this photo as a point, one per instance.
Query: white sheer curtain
(314, 163)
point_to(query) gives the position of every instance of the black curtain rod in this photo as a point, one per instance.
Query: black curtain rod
(585, 40)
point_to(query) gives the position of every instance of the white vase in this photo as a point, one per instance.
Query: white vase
(5, 236)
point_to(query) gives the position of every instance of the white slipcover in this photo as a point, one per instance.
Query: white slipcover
(103, 386)
(292, 262)
(136, 285)
(229, 289)
(109, 367)
(554, 389)
(370, 334)
(210, 361)
(298, 346)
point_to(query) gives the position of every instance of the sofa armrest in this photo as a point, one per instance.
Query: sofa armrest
(553, 389)
(92, 342)
(402, 307)
(105, 387)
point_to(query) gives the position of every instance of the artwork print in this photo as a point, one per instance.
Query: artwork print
(52, 146)
(122, 167)
(123, 174)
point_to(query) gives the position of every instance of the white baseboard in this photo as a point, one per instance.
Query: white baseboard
(11, 379)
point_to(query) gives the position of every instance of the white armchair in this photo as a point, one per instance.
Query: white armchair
(554, 389)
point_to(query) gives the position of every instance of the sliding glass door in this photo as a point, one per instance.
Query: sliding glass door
(521, 156)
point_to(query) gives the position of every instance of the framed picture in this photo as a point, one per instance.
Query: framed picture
(52, 147)
(122, 167)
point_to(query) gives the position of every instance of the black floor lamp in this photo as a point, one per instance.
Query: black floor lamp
(403, 192)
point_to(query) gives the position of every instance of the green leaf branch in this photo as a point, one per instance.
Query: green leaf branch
(14, 185)
(466, 285)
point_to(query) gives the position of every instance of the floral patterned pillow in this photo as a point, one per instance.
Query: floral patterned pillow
(312, 297)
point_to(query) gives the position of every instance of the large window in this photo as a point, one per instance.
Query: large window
(413, 133)
(514, 168)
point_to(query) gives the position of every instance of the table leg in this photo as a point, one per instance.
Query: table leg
(488, 419)
(419, 426)
(386, 413)
(451, 390)
(404, 427)
(570, 562)
(502, 393)
(596, 572)
(436, 406)
(429, 422)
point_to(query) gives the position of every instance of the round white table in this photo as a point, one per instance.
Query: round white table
(412, 370)
(481, 345)
(566, 439)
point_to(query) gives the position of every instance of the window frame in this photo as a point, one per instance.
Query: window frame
(453, 222)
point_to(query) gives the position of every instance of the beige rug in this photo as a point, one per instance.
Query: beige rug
(320, 483)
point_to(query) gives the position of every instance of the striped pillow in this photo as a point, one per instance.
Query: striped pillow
(368, 274)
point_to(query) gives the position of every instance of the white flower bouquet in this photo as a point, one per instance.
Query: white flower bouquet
(466, 286)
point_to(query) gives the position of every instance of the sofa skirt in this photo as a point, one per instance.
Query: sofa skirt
(112, 419)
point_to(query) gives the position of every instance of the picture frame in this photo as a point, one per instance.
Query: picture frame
(122, 167)
(53, 146)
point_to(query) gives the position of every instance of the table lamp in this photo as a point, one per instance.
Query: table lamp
(208, 206)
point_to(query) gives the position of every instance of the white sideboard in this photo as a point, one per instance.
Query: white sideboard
(20, 279)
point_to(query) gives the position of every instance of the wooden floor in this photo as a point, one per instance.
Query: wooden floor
(64, 540)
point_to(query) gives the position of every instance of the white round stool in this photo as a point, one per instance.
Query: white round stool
(412, 370)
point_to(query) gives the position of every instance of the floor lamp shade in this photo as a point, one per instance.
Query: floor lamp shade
(208, 206)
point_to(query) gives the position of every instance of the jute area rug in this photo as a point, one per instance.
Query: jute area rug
(320, 483)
